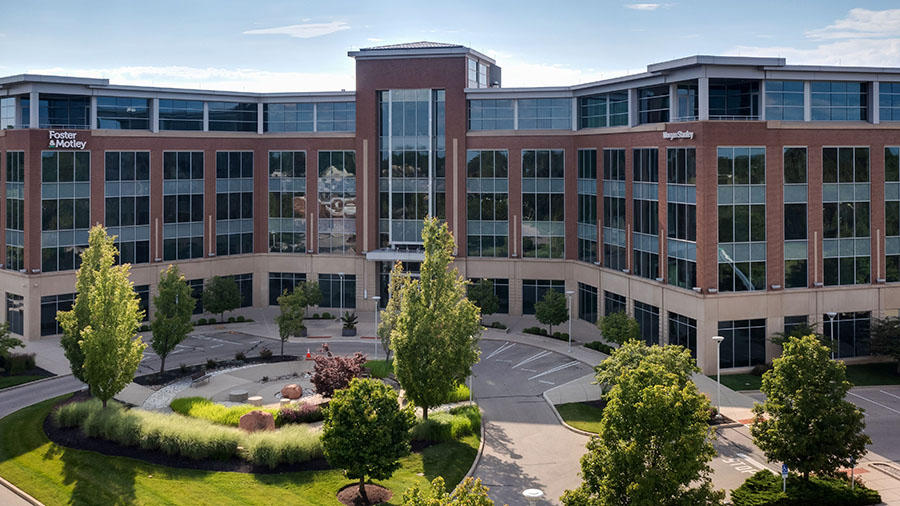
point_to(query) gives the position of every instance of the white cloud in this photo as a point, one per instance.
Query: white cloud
(643, 7)
(374, 39)
(211, 78)
(521, 74)
(304, 31)
(861, 23)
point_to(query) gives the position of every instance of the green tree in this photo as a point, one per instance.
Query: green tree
(312, 294)
(482, 295)
(618, 327)
(220, 295)
(365, 432)
(172, 320)
(8, 342)
(290, 318)
(885, 338)
(435, 337)
(805, 421)
(110, 343)
(630, 355)
(552, 309)
(800, 330)
(391, 311)
(654, 444)
(468, 493)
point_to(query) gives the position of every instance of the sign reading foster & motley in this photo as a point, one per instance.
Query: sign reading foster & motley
(65, 140)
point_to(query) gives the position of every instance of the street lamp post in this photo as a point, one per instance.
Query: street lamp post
(377, 299)
(341, 295)
(831, 315)
(718, 340)
(569, 294)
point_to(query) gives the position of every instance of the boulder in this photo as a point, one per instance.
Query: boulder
(257, 420)
(292, 391)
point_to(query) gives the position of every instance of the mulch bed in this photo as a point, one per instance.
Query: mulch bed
(36, 371)
(376, 494)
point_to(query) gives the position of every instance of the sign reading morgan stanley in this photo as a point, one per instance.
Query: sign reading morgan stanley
(681, 134)
(65, 140)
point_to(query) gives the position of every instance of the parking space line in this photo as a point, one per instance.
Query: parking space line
(752, 462)
(556, 369)
(507, 345)
(888, 393)
(875, 403)
(532, 358)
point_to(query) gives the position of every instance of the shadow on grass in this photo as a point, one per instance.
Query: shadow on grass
(118, 484)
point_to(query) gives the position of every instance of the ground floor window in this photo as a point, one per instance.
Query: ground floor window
(384, 277)
(851, 333)
(613, 303)
(245, 285)
(683, 332)
(587, 303)
(501, 290)
(647, 317)
(15, 313)
(50, 305)
(143, 292)
(792, 322)
(333, 292)
(744, 344)
(533, 290)
(281, 281)
(197, 293)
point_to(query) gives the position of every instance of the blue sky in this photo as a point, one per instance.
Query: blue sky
(302, 45)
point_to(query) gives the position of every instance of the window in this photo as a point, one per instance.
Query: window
(851, 333)
(336, 116)
(587, 205)
(545, 113)
(7, 113)
(796, 255)
(501, 290)
(688, 101)
(64, 111)
(182, 205)
(127, 205)
(839, 101)
(123, 113)
(478, 74)
(889, 101)
(487, 203)
(15, 313)
(543, 203)
(65, 208)
(333, 292)
(279, 282)
(491, 115)
(245, 285)
(234, 202)
(337, 202)
(744, 344)
(287, 201)
(587, 303)
(683, 332)
(15, 210)
(681, 169)
(845, 215)
(613, 303)
(533, 290)
(647, 317)
(784, 100)
(232, 117)
(645, 235)
(197, 293)
(288, 117)
(792, 322)
(653, 104)
(891, 211)
(742, 219)
(50, 305)
(143, 293)
(180, 115)
(607, 109)
(733, 99)
(614, 253)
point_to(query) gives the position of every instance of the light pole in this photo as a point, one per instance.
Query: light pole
(377, 299)
(569, 294)
(341, 295)
(831, 315)
(718, 340)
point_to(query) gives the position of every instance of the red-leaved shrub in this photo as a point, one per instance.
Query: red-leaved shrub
(303, 413)
(335, 373)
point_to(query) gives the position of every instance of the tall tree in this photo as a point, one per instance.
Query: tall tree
(312, 294)
(482, 295)
(111, 345)
(365, 431)
(290, 317)
(654, 444)
(172, 319)
(552, 309)
(8, 342)
(435, 337)
(805, 421)
(619, 328)
(391, 311)
(220, 295)
(885, 338)
(633, 353)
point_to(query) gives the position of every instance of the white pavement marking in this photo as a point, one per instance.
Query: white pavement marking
(556, 369)
(546, 382)
(875, 403)
(528, 370)
(888, 393)
(532, 358)
(216, 345)
(501, 349)
(502, 360)
(752, 461)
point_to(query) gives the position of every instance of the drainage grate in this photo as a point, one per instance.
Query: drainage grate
(886, 468)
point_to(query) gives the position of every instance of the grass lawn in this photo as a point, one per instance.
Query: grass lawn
(863, 375)
(11, 381)
(379, 368)
(740, 381)
(59, 476)
(581, 416)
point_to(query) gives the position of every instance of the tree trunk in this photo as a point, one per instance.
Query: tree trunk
(104, 403)
(424, 413)
(162, 365)
(282, 349)
(551, 329)
(362, 489)
(222, 317)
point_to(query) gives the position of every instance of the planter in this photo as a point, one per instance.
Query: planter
(348, 332)
(302, 332)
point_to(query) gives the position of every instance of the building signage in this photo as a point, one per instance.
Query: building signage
(65, 140)
(681, 134)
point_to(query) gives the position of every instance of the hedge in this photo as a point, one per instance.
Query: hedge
(764, 489)
(448, 426)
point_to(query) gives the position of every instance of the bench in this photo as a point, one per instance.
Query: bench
(199, 377)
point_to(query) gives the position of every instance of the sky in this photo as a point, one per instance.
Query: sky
(271, 46)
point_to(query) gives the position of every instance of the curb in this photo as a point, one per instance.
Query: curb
(16, 490)
(35, 382)
(480, 449)
(559, 418)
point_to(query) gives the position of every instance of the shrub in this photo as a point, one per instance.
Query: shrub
(760, 369)
(211, 364)
(265, 379)
(265, 353)
(497, 325)
(335, 373)
(379, 368)
(231, 319)
(145, 328)
(240, 356)
(461, 394)
(201, 321)
(455, 424)
(74, 413)
(205, 409)
(599, 346)
(561, 336)
(18, 363)
(538, 331)
(303, 413)
(326, 316)
(241, 319)
(183, 367)
(288, 445)
(315, 316)
(764, 488)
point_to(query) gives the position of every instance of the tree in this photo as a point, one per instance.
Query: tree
(885, 338)
(552, 309)
(172, 320)
(312, 294)
(619, 328)
(468, 493)
(653, 446)
(220, 295)
(365, 432)
(8, 342)
(391, 311)
(805, 421)
(334, 373)
(799, 330)
(290, 319)
(110, 343)
(482, 295)
(633, 353)
(435, 337)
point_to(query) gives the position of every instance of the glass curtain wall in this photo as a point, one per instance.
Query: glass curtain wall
(846, 245)
(796, 247)
(587, 205)
(742, 219)
(614, 238)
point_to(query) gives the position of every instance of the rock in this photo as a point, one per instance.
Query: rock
(256, 400)
(292, 391)
(257, 420)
